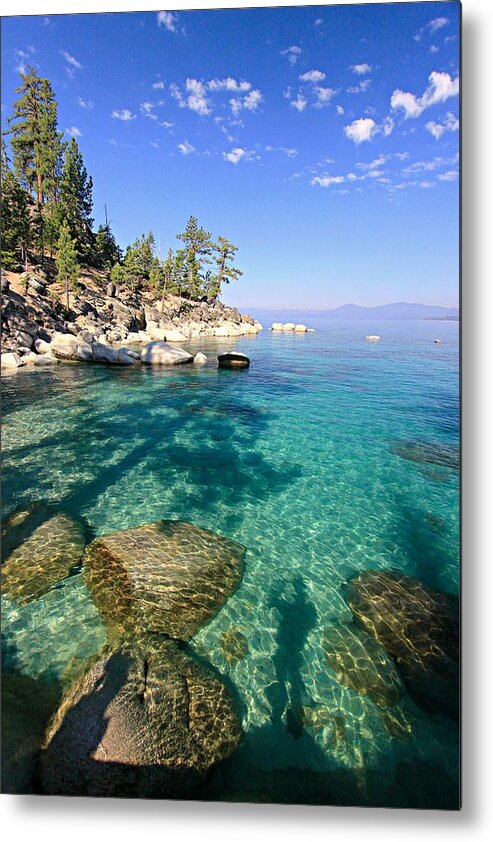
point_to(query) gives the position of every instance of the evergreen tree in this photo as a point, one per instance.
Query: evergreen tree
(106, 250)
(16, 223)
(75, 200)
(197, 251)
(67, 265)
(226, 272)
(36, 142)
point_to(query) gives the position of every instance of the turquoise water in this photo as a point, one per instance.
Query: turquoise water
(293, 459)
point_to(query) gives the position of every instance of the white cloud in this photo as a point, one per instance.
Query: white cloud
(146, 109)
(326, 180)
(375, 164)
(441, 87)
(360, 88)
(158, 86)
(431, 27)
(387, 126)
(293, 54)
(197, 98)
(360, 130)
(361, 69)
(339, 110)
(86, 103)
(167, 19)
(252, 100)
(289, 152)
(236, 154)
(426, 185)
(434, 48)
(313, 76)
(166, 124)
(228, 84)
(318, 22)
(430, 166)
(186, 148)
(323, 95)
(299, 103)
(73, 131)
(71, 60)
(450, 175)
(451, 124)
(154, 144)
(124, 114)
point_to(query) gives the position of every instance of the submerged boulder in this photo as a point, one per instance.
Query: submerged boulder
(147, 720)
(433, 453)
(418, 627)
(233, 359)
(161, 353)
(168, 576)
(360, 662)
(41, 547)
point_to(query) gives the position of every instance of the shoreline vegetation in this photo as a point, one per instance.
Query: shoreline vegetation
(60, 277)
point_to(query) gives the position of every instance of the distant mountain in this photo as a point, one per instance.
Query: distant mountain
(399, 311)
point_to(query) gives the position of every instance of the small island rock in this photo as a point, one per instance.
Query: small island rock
(233, 359)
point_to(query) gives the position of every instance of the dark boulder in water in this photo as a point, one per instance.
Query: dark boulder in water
(41, 548)
(418, 627)
(168, 576)
(146, 721)
(360, 662)
(233, 359)
(428, 453)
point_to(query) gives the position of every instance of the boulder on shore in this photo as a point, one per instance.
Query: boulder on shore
(300, 328)
(277, 326)
(45, 359)
(233, 359)
(289, 326)
(147, 720)
(200, 358)
(11, 360)
(161, 353)
(168, 576)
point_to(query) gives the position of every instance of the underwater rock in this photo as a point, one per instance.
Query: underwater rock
(168, 576)
(40, 548)
(418, 627)
(160, 353)
(147, 720)
(233, 359)
(362, 663)
(27, 707)
(445, 455)
(234, 645)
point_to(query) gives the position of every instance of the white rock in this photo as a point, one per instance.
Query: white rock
(310, 330)
(258, 326)
(437, 341)
(161, 353)
(30, 357)
(156, 333)
(64, 346)
(42, 347)
(174, 336)
(277, 326)
(84, 352)
(200, 358)
(45, 359)
(103, 354)
(300, 328)
(372, 338)
(133, 354)
(144, 337)
(289, 326)
(11, 360)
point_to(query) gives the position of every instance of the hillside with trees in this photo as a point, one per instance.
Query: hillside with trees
(47, 206)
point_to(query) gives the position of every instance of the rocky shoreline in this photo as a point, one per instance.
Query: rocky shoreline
(37, 330)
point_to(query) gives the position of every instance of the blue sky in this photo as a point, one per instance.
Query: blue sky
(323, 141)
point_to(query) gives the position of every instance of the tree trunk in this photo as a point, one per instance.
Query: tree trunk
(67, 295)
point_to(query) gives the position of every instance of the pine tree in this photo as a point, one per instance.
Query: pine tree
(75, 200)
(16, 222)
(36, 142)
(226, 272)
(106, 250)
(67, 265)
(197, 251)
